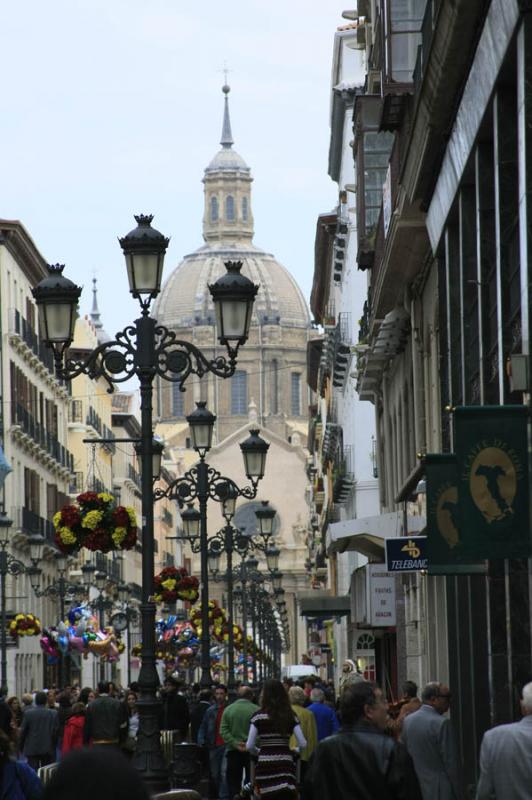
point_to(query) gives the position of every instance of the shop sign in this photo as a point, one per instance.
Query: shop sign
(406, 553)
(382, 596)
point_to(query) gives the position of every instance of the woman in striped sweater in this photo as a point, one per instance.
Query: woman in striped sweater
(272, 725)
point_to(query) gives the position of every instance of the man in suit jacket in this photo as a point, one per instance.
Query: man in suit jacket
(38, 733)
(429, 740)
(105, 719)
(506, 757)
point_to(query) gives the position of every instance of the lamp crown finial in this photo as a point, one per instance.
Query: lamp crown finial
(143, 219)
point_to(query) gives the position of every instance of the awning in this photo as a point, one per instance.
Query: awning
(325, 606)
(367, 535)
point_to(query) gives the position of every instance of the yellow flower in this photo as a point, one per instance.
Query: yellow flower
(118, 536)
(169, 584)
(57, 519)
(92, 519)
(132, 516)
(66, 535)
(105, 497)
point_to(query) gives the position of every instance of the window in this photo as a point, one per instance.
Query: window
(404, 18)
(296, 394)
(178, 401)
(214, 209)
(244, 209)
(274, 374)
(230, 208)
(239, 393)
(377, 147)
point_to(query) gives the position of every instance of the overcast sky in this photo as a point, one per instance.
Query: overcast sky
(114, 107)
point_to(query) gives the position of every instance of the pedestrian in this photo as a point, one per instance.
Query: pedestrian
(234, 729)
(5, 714)
(407, 704)
(16, 720)
(73, 732)
(175, 713)
(429, 739)
(361, 760)
(18, 781)
(274, 723)
(209, 736)
(64, 710)
(198, 710)
(130, 744)
(101, 774)
(105, 720)
(87, 695)
(307, 720)
(38, 733)
(506, 757)
(326, 719)
(27, 701)
(51, 699)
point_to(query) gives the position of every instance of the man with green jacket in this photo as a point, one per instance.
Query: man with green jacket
(234, 730)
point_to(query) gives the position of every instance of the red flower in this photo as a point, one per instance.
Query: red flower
(70, 516)
(89, 500)
(121, 517)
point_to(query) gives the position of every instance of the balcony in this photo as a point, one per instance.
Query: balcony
(93, 420)
(32, 523)
(134, 476)
(21, 330)
(46, 441)
(344, 476)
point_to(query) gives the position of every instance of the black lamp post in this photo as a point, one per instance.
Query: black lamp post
(205, 483)
(60, 588)
(147, 350)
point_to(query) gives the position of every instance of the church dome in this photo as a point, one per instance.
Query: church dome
(185, 299)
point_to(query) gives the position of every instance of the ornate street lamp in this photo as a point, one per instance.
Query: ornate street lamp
(254, 449)
(144, 249)
(203, 483)
(233, 296)
(146, 350)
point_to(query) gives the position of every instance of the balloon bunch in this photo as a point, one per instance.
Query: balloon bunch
(174, 583)
(79, 633)
(25, 625)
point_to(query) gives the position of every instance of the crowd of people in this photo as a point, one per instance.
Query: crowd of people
(281, 740)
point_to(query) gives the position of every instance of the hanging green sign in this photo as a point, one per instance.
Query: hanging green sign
(443, 536)
(493, 491)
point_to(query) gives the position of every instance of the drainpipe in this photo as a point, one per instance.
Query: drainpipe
(417, 381)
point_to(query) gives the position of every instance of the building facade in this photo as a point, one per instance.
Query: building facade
(441, 153)
(269, 386)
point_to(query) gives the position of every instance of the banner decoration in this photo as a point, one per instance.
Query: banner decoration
(493, 486)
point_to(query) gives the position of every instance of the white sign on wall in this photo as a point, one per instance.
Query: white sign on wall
(382, 594)
(387, 200)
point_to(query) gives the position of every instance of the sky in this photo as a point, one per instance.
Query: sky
(114, 107)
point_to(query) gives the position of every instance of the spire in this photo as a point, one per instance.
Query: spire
(227, 137)
(95, 311)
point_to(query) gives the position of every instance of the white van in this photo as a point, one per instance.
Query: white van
(298, 671)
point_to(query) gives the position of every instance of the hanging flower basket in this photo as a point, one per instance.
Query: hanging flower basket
(174, 583)
(97, 523)
(25, 625)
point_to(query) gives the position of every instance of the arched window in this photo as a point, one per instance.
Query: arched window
(239, 393)
(230, 208)
(244, 209)
(214, 209)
